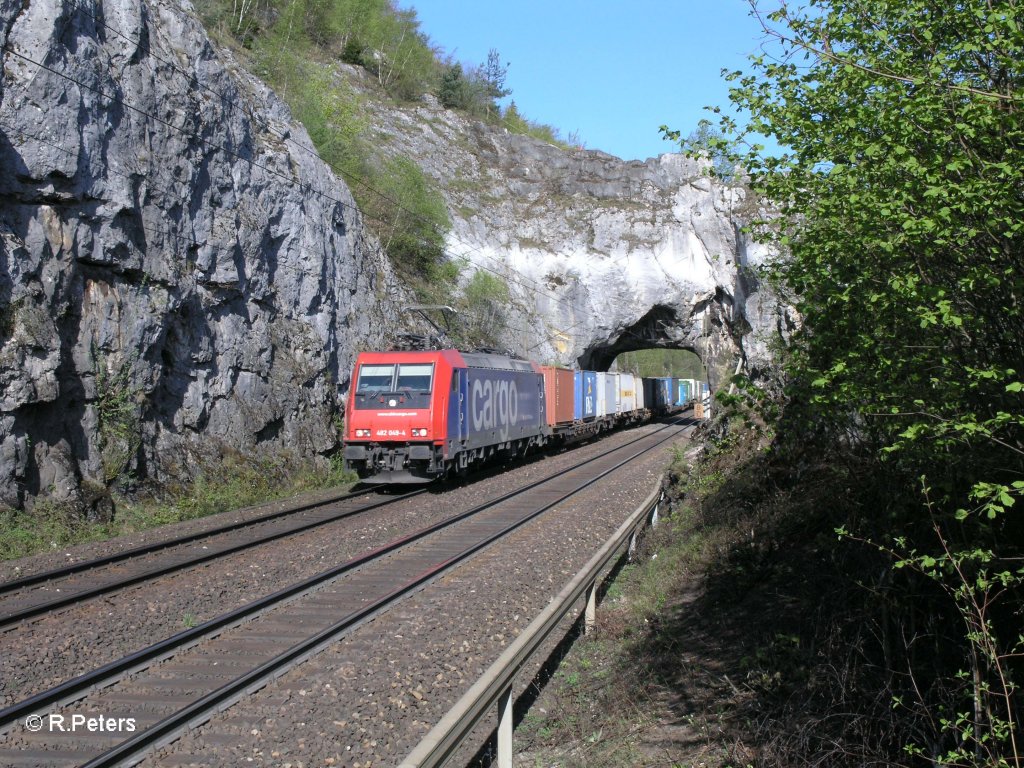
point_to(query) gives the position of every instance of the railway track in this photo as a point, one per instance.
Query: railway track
(183, 680)
(42, 593)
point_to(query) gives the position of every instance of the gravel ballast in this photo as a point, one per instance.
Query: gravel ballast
(43, 653)
(367, 700)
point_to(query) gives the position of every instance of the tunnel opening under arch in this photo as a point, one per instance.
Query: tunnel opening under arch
(660, 328)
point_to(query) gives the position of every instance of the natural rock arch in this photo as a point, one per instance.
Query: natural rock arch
(658, 328)
(706, 328)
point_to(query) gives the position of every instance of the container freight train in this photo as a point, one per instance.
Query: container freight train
(419, 415)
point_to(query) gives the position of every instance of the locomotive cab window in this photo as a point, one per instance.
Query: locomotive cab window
(374, 378)
(415, 377)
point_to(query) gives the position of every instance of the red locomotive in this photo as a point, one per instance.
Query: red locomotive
(414, 416)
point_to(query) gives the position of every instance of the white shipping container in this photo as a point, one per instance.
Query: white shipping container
(602, 396)
(693, 389)
(611, 393)
(627, 392)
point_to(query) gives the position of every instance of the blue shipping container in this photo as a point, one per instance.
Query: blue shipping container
(577, 395)
(589, 395)
(679, 394)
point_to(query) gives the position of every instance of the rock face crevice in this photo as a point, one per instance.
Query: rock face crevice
(605, 255)
(177, 277)
(181, 276)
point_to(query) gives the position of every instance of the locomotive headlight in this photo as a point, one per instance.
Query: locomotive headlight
(362, 433)
(419, 433)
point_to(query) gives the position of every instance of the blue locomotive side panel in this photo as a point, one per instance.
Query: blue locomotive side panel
(503, 405)
(458, 421)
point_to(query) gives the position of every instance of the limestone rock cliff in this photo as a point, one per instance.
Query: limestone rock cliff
(602, 255)
(180, 274)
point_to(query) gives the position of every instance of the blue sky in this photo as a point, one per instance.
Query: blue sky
(610, 71)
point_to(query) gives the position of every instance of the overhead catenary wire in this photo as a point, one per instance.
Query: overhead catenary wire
(192, 243)
(465, 255)
(195, 84)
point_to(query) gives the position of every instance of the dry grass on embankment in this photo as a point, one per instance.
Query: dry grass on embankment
(713, 648)
(235, 482)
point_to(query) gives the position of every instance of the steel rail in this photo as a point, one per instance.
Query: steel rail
(168, 729)
(145, 549)
(18, 616)
(454, 727)
(103, 676)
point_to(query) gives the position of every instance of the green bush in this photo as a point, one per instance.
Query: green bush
(514, 122)
(411, 219)
(483, 309)
(332, 113)
(118, 408)
(899, 214)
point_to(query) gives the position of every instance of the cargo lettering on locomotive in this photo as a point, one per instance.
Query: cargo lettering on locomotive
(494, 405)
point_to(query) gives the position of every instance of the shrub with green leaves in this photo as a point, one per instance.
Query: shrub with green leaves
(118, 412)
(900, 200)
(289, 44)
(411, 218)
(483, 309)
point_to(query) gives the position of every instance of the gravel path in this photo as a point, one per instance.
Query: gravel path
(367, 700)
(44, 653)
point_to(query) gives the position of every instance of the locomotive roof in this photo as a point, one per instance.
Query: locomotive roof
(491, 360)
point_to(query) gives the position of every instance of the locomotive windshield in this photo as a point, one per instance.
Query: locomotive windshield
(415, 377)
(374, 378)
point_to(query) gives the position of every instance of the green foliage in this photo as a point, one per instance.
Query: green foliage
(47, 527)
(375, 34)
(681, 363)
(708, 142)
(900, 200)
(482, 311)
(494, 74)
(475, 90)
(455, 90)
(237, 482)
(513, 121)
(118, 409)
(412, 220)
(332, 113)
(288, 42)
